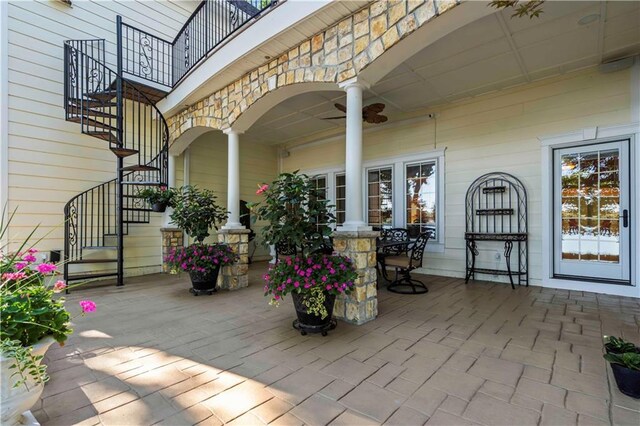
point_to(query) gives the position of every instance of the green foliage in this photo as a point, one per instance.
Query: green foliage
(619, 345)
(161, 195)
(196, 211)
(26, 363)
(30, 313)
(295, 212)
(530, 8)
(630, 360)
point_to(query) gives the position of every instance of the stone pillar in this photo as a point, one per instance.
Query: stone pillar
(235, 276)
(233, 180)
(354, 212)
(361, 305)
(171, 238)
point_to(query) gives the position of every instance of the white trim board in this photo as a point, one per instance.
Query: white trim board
(4, 111)
(578, 137)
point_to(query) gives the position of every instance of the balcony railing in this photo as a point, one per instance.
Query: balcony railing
(166, 62)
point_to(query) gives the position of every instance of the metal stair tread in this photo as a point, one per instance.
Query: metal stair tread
(92, 123)
(107, 136)
(140, 168)
(91, 275)
(99, 247)
(124, 152)
(91, 103)
(87, 261)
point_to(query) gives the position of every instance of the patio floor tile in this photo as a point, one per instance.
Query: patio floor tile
(479, 353)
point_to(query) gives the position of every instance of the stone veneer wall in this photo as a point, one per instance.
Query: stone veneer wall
(334, 55)
(235, 276)
(362, 304)
(171, 238)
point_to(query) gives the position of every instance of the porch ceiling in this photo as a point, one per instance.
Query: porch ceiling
(492, 53)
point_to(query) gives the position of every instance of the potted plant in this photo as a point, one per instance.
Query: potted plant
(159, 198)
(298, 216)
(617, 345)
(626, 371)
(196, 211)
(32, 319)
(203, 263)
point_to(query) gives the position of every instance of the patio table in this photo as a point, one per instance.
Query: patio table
(381, 245)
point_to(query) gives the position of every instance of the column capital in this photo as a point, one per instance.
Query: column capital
(231, 131)
(354, 82)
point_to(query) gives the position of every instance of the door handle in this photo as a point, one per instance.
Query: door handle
(625, 218)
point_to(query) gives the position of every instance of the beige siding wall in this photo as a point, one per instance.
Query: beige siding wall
(50, 161)
(208, 169)
(494, 132)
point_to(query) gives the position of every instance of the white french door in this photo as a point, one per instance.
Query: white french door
(591, 212)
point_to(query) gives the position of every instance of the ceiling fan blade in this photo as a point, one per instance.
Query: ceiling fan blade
(341, 107)
(376, 119)
(335, 118)
(377, 107)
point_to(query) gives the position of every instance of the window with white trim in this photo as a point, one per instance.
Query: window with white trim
(380, 197)
(340, 198)
(421, 194)
(320, 184)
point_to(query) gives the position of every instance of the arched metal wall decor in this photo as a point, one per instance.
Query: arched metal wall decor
(496, 210)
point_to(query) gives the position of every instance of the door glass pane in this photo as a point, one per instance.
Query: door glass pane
(340, 198)
(380, 197)
(421, 198)
(591, 206)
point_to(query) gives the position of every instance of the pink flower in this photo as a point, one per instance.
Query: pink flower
(262, 189)
(59, 286)
(13, 276)
(32, 251)
(29, 258)
(21, 265)
(45, 268)
(87, 306)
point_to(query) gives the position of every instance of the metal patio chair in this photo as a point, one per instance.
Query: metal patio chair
(405, 263)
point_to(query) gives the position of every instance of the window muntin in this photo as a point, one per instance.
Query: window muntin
(341, 197)
(421, 191)
(380, 197)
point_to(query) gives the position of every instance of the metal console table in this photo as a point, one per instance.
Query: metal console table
(496, 210)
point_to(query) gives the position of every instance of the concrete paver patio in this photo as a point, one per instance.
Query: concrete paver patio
(460, 354)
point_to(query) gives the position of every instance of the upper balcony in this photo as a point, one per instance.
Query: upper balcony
(222, 40)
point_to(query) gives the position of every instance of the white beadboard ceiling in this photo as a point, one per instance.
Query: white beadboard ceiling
(492, 53)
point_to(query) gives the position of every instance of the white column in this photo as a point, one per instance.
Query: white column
(171, 183)
(233, 180)
(354, 213)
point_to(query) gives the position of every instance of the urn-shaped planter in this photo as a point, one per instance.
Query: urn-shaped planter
(17, 400)
(309, 322)
(204, 282)
(628, 380)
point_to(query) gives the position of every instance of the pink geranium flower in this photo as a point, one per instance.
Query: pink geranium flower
(46, 268)
(87, 306)
(59, 286)
(262, 189)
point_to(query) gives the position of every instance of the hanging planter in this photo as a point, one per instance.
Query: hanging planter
(159, 207)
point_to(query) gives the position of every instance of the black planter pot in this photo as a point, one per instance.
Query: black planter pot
(204, 282)
(159, 207)
(628, 380)
(311, 323)
(613, 351)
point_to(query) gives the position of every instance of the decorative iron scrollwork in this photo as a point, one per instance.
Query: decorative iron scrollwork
(94, 79)
(146, 52)
(72, 220)
(186, 47)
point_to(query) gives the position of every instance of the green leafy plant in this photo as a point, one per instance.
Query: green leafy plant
(530, 8)
(26, 364)
(295, 211)
(29, 309)
(618, 345)
(630, 360)
(196, 211)
(161, 195)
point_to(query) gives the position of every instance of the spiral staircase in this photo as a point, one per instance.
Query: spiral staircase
(121, 115)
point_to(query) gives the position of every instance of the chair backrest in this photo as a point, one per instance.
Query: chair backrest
(395, 234)
(417, 251)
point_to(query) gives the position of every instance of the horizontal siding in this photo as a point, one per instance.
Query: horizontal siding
(50, 161)
(493, 132)
(208, 169)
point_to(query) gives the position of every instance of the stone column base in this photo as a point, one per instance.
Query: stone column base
(171, 238)
(235, 276)
(361, 305)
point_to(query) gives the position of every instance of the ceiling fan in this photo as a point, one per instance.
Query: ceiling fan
(370, 113)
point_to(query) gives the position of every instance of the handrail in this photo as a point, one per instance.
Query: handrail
(166, 63)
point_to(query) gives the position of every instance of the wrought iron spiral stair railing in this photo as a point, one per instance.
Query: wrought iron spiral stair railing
(118, 111)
